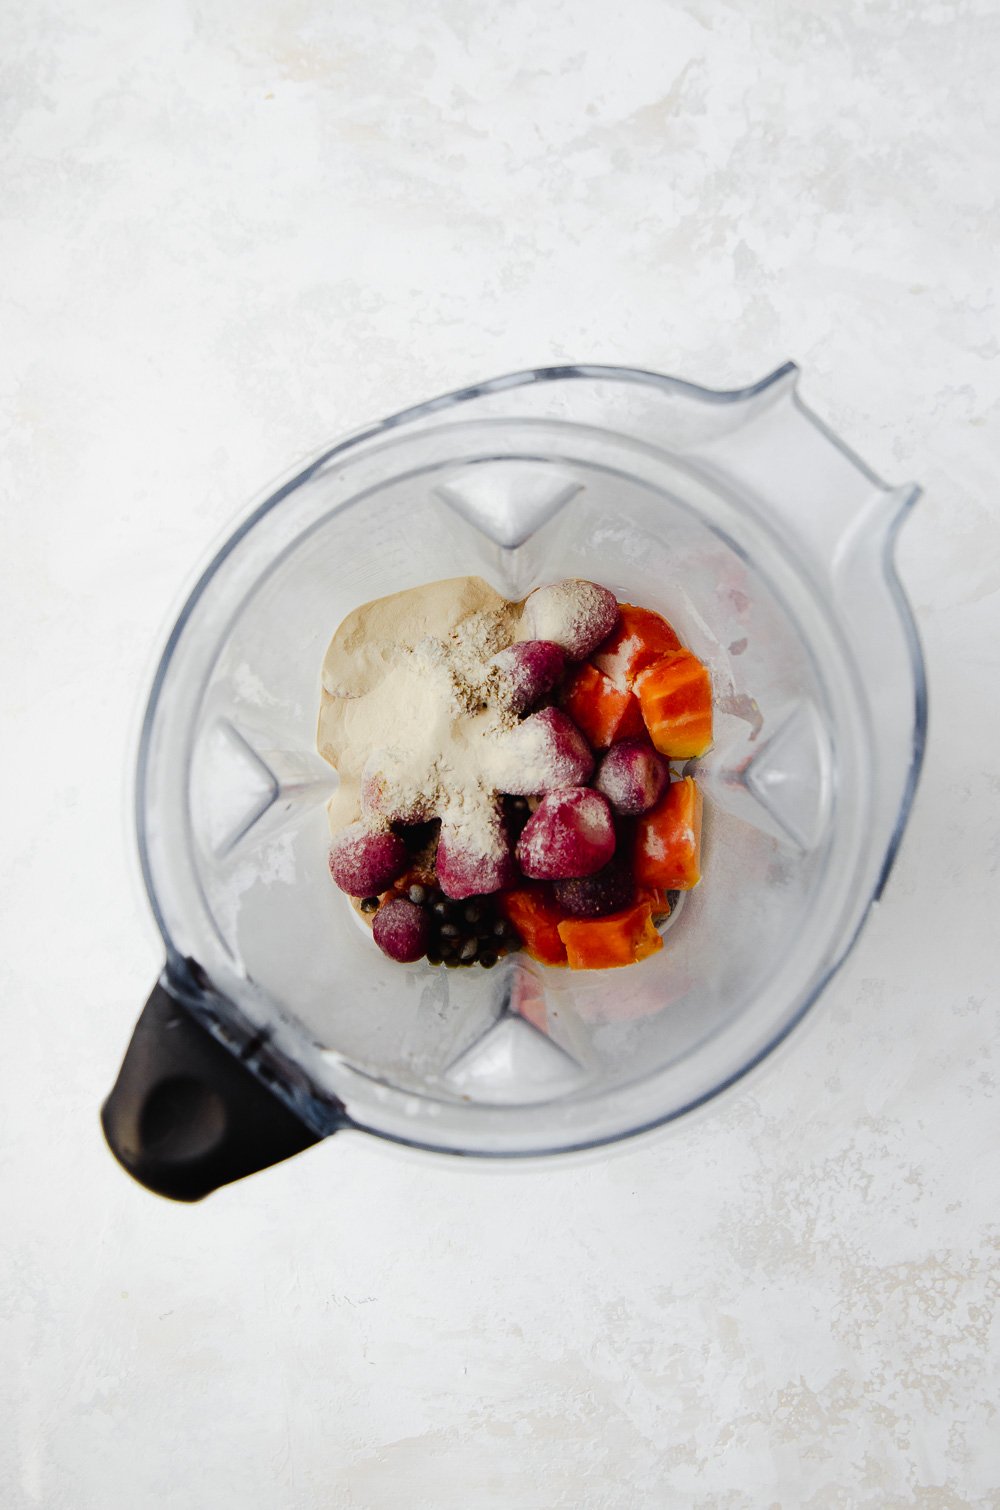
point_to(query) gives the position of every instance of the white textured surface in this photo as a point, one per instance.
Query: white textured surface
(231, 230)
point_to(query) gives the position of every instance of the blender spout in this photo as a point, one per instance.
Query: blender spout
(819, 493)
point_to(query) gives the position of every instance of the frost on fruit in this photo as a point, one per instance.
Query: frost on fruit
(633, 777)
(402, 930)
(363, 863)
(569, 834)
(474, 859)
(575, 614)
(389, 793)
(528, 670)
(545, 752)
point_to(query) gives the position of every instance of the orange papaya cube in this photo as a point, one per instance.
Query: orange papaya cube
(599, 708)
(640, 638)
(621, 938)
(676, 699)
(668, 839)
(536, 917)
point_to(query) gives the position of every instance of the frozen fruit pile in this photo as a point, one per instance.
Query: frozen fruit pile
(587, 833)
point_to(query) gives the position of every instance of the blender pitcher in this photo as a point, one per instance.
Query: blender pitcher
(759, 535)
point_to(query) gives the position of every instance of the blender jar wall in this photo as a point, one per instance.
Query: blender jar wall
(633, 481)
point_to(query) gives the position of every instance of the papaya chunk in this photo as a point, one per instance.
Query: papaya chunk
(676, 699)
(605, 943)
(600, 709)
(668, 839)
(536, 917)
(640, 638)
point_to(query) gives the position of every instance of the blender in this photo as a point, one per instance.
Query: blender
(761, 537)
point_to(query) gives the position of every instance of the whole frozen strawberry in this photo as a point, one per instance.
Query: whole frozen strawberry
(529, 669)
(543, 754)
(474, 858)
(569, 834)
(402, 930)
(364, 862)
(575, 614)
(633, 776)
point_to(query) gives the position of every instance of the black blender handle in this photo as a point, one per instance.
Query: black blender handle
(186, 1115)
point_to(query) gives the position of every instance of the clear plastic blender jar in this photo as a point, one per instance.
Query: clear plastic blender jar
(760, 536)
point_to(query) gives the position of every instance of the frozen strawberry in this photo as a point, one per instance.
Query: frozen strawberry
(543, 754)
(529, 669)
(364, 862)
(633, 776)
(402, 930)
(607, 890)
(474, 860)
(569, 834)
(387, 793)
(575, 614)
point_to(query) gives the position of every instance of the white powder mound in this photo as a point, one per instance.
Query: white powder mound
(407, 717)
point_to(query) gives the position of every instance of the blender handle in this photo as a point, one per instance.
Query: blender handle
(185, 1115)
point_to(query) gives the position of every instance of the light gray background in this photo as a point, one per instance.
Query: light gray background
(230, 230)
